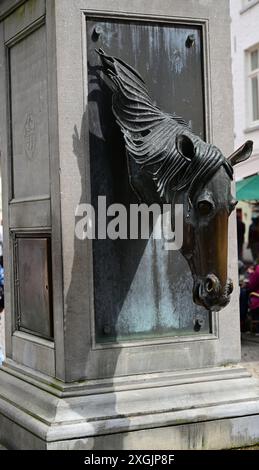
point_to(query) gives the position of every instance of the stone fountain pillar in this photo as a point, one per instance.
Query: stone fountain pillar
(94, 358)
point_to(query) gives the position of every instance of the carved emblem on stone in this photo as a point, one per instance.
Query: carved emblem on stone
(30, 135)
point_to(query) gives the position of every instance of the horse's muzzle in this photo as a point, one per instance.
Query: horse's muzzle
(209, 292)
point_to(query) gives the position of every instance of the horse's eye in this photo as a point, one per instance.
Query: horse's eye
(205, 207)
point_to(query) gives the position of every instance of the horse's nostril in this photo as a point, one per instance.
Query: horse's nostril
(212, 284)
(209, 286)
(209, 293)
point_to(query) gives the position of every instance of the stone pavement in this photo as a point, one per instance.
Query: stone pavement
(250, 353)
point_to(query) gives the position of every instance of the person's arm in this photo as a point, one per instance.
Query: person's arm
(249, 237)
(253, 282)
(243, 232)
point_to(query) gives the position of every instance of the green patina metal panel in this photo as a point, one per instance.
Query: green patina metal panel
(141, 290)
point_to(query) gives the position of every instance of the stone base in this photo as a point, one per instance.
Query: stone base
(202, 409)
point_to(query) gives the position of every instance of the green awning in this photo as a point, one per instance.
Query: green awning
(248, 189)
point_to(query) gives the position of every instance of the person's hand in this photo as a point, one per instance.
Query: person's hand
(250, 269)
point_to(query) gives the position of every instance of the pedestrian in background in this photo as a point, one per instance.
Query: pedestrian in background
(253, 238)
(240, 234)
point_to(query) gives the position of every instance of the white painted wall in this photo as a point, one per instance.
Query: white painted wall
(244, 35)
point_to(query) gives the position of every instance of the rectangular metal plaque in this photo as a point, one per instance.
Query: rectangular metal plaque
(33, 285)
(140, 289)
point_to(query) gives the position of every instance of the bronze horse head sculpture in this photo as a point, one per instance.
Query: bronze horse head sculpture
(177, 166)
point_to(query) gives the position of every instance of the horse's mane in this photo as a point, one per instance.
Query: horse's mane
(150, 135)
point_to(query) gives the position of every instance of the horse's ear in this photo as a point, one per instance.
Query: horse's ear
(185, 147)
(241, 154)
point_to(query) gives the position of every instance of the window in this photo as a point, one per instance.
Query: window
(253, 85)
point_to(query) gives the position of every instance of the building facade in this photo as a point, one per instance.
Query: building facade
(245, 69)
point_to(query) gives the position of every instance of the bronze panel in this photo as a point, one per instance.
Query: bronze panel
(33, 291)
